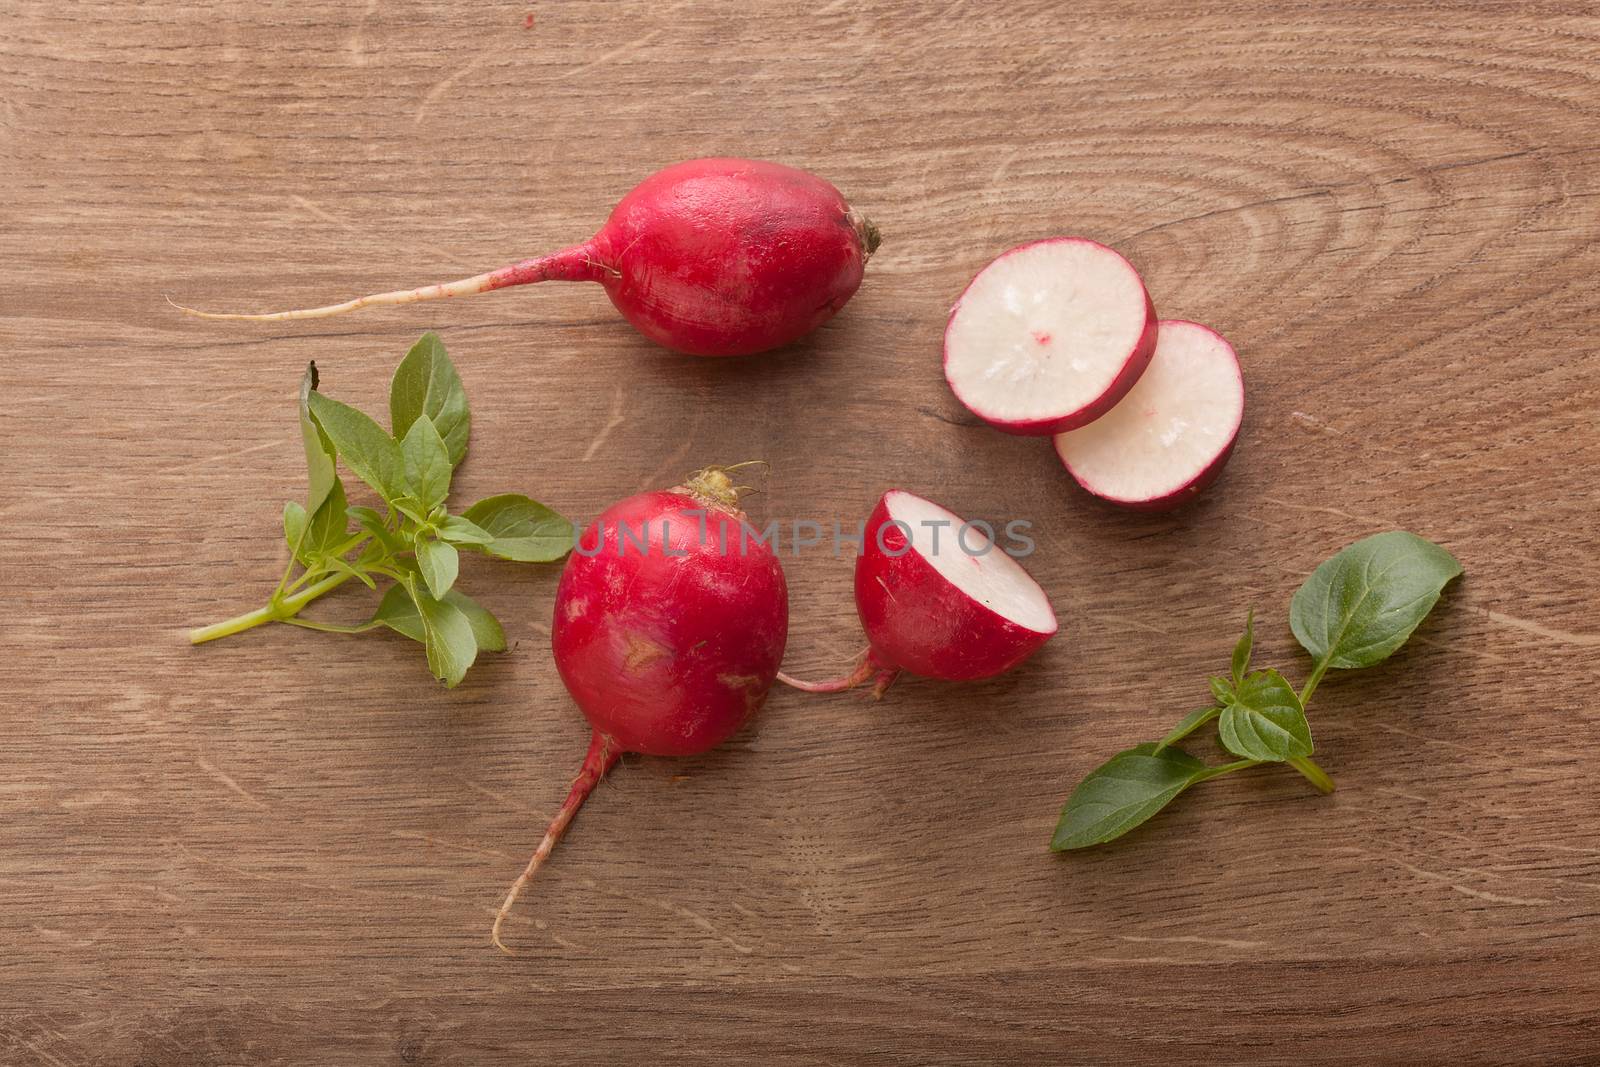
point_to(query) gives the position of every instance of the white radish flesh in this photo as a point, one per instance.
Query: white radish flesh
(1171, 435)
(968, 559)
(1049, 336)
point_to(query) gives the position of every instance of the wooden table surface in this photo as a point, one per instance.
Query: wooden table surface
(286, 847)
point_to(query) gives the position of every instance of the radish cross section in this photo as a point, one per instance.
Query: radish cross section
(968, 559)
(1172, 434)
(1049, 336)
(938, 598)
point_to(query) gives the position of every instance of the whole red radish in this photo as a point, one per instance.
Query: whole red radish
(670, 623)
(937, 597)
(1172, 434)
(1049, 336)
(711, 257)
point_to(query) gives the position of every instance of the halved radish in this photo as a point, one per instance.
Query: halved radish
(938, 598)
(1172, 434)
(1049, 336)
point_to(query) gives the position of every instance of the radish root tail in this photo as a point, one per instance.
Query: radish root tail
(575, 264)
(601, 757)
(864, 670)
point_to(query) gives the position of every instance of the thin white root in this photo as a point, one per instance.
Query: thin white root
(601, 756)
(540, 855)
(478, 283)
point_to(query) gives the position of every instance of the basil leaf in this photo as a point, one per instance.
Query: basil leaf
(439, 563)
(319, 450)
(1241, 651)
(376, 523)
(343, 566)
(1190, 723)
(329, 529)
(405, 506)
(399, 613)
(1360, 606)
(1266, 721)
(1123, 792)
(426, 383)
(366, 449)
(327, 532)
(447, 632)
(427, 463)
(1221, 690)
(486, 629)
(294, 527)
(523, 530)
(460, 531)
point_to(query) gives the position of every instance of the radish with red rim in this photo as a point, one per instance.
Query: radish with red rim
(670, 623)
(938, 598)
(710, 257)
(1049, 336)
(1172, 434)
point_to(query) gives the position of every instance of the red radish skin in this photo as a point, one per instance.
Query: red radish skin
(918, 619)
(1049, 336)
(668, 648)
(1170, 437)
(712, 257)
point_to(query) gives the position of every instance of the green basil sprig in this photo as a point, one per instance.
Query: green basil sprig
(413, 541)
(1354, 611)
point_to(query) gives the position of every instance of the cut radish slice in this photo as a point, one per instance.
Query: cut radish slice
(1049, 336)
(939, 598)
(1172, 434)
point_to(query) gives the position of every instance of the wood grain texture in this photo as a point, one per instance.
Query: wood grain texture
(286, 848)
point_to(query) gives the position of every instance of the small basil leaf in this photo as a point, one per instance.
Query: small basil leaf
(294, 527)
(1241, 651)
(1191, 722)
(439, 563)
(1360, 606)
(1266, 721)
(399, 613)
(319, 450)
(523, 530)
(1123, 792)
(366, 449)
(427, 463)
(407, 507)
(460, 531)
(447, 632)
(486, 629)
(329, 531)
(426, 383)
(325, 534)
(1221, 690)
(342, 566)
(375, 523)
